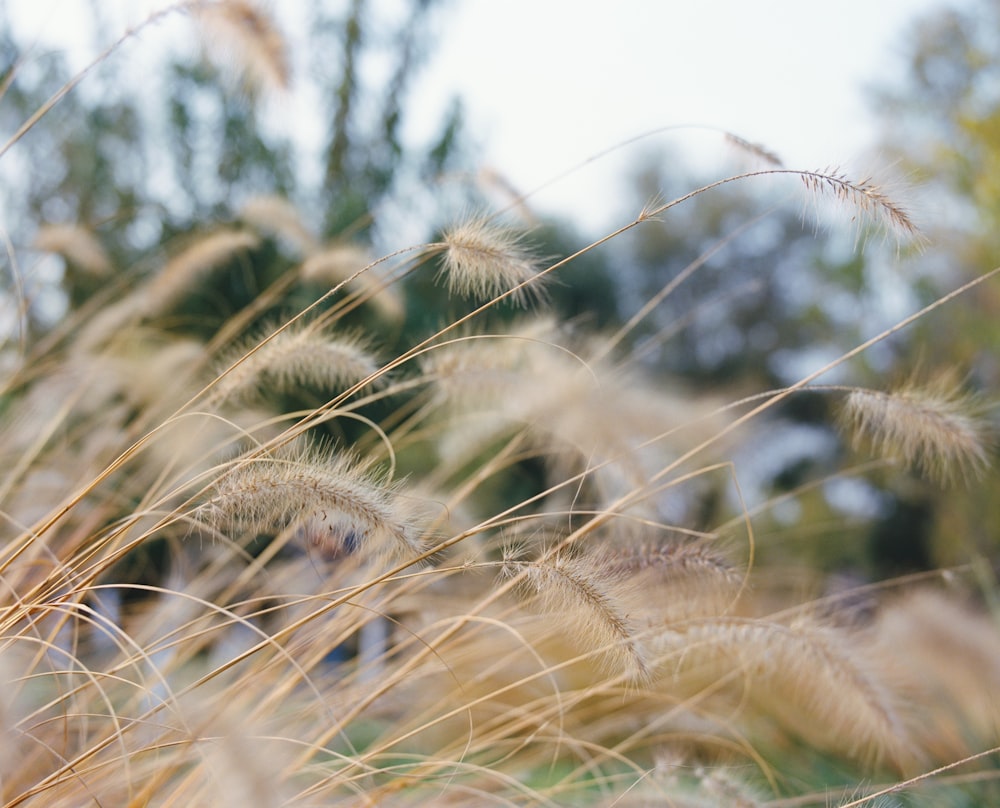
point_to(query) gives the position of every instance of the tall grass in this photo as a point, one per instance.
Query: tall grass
(279, 567)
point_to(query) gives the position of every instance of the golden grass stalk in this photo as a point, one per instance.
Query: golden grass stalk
(337, 263)
(334, 263)
(932, 427)
(248, 681)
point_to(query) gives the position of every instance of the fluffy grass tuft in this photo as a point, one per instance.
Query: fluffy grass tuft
(77, 245)
(581, 595)
(329, 496)
(240, 33)
(930, 427)
(483, 260)
(186, 268)
(303, 357)
(863, 195)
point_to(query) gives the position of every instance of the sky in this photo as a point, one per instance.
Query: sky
(548, 84)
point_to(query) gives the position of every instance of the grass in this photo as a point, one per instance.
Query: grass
(276, 567)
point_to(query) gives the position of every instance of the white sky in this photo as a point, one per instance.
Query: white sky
(548, 84)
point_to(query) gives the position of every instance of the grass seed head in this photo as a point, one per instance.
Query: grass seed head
(483, 260)
(77, 245)
(866, 197)
(185, 269)
(269, 494)
(293, 359)
(932, 427)
(249, 41)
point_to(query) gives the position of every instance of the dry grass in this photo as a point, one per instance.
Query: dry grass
(482, 260)
(932, 427)
(77, 245)
(212, 596)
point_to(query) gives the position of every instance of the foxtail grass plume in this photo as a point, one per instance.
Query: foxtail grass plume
(276, 216)
(944, 652)
(673, 581)
(583, 595)
(482, 260)
(308, 487)
(806, 676)
(185, 269)
(756, 150)
(250, 41)
(865, 196)
(932, 428)
(294, 358)
(76, 244)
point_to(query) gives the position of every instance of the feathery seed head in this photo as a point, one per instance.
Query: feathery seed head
(185, 268)
(755, 150)
(306, 489)
(865, 196)
(277, 216)
(258, 51)
(483, 260)
(806, 676)
(671, 582)
(584, 595)
(932, 427)
(295, 357)
(76, 244)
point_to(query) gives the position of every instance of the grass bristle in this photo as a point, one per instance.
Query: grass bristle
(581, 594)
(325, 492)
(865, 196)
(295, 358)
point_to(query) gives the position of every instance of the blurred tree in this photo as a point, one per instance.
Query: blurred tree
(138, 160)
(752, 291)
(751, 298)
(942, 127)
(756, 301)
